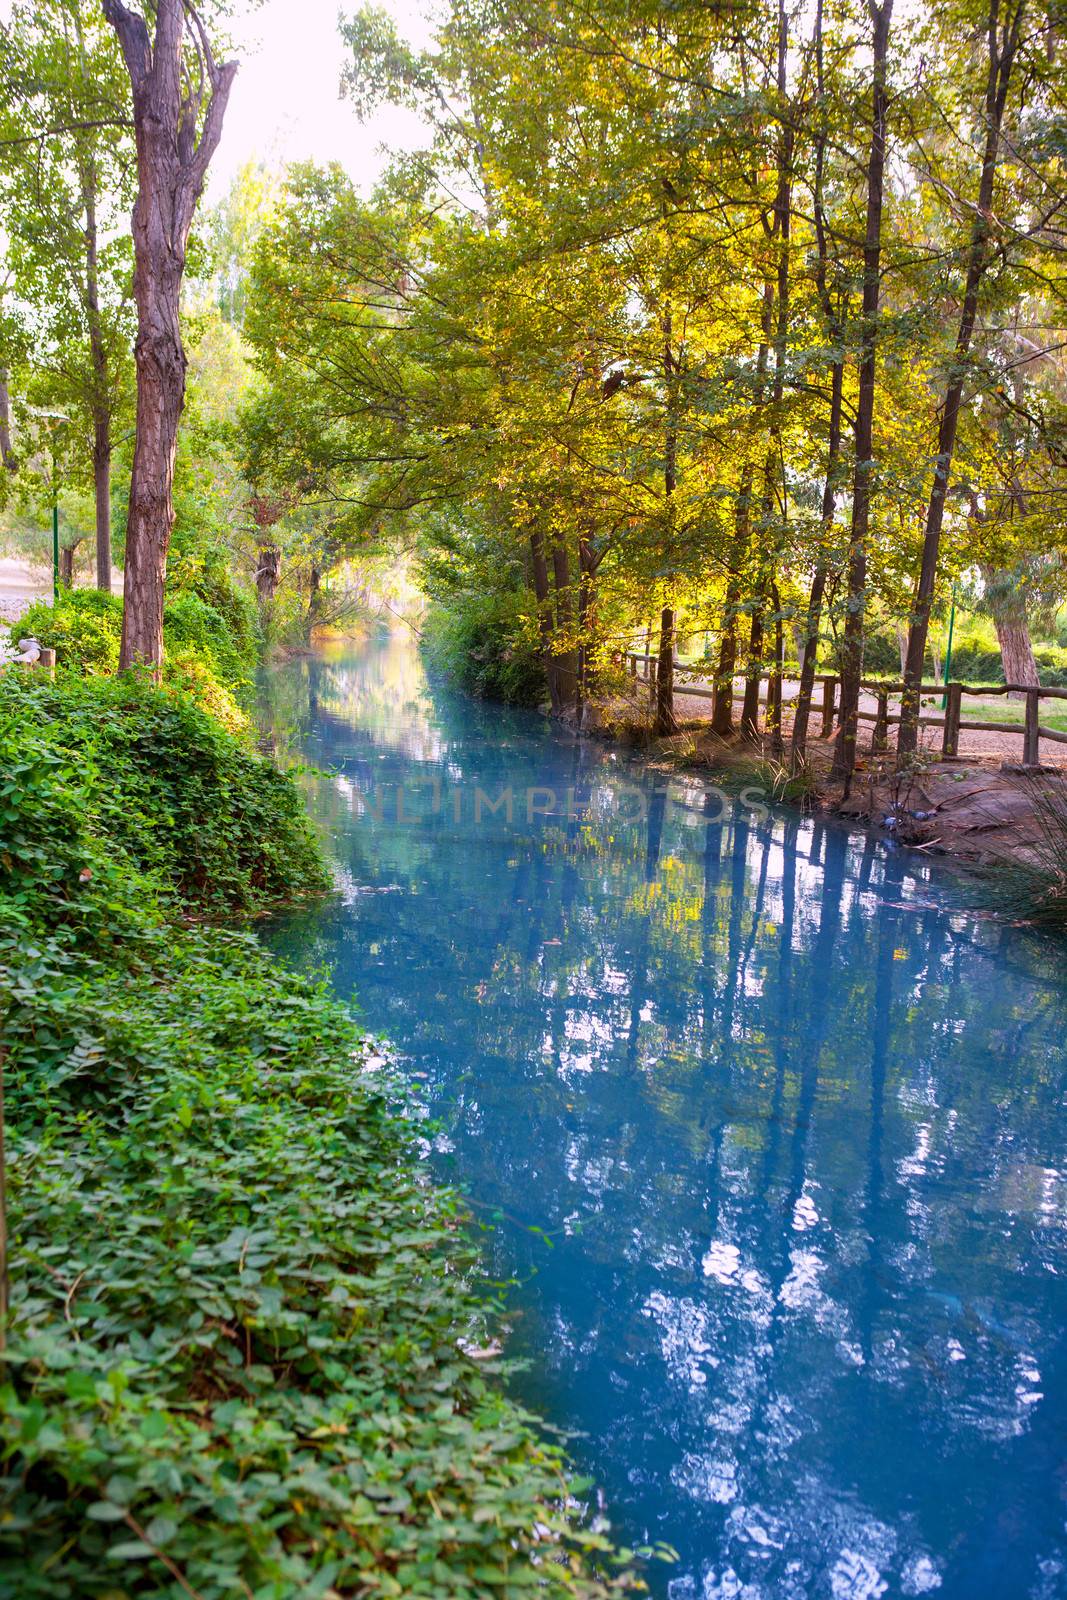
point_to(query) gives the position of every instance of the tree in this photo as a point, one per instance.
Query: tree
(66, 177)
(852, 664)
(1003, 36)
(180, 94)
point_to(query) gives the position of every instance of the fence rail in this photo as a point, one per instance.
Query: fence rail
(1030, 730)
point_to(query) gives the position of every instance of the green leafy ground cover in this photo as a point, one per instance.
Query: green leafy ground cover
(238, 1354)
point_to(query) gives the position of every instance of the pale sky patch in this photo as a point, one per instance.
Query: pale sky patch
(286, 104)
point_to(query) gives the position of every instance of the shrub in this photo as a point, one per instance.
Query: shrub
(169, 787)
(207, 575)
(489, 646)
(84, 628)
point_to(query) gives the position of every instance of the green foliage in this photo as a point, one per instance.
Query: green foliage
(203, 651)
(488, 646)
(237, 1352)
(207, 574)
(84, 628)
(176, 793)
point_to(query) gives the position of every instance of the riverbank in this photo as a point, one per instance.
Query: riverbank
(246, 1351)
(983, 811)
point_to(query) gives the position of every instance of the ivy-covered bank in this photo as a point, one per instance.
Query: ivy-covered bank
(238, 1354)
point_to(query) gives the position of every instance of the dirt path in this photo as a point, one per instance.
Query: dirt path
(24, 582)
(974, 743)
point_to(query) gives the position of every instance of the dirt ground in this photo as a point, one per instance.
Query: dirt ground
(981, 807)
(22, 582)
(974, 743)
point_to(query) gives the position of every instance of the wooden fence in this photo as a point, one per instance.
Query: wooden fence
(1029, 730)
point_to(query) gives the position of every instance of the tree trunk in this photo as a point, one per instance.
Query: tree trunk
(66, 564)
(566, 660)
(665, 721)
(722, 705)
(1013, 630)
(101, 406)
(543, 597)
(808, 638)
(102, 493)
(268, 573)
(1002, 48)
(314, 604)
(160, 397)
(1017, 654)
(170, 102)
(809, 654)
(852, 652)
(753, 671)
(587, 566)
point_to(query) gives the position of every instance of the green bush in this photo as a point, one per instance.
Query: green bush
(84, 628)
(176, 793)
(190, 625)
(238, 1346)
(208, 576)
(489, 646)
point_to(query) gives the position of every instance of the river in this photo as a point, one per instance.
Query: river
(769, 1127)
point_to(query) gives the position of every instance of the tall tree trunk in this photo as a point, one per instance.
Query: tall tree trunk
(160, 397)
(665, 722)
(753, 671)
(1008, 611)
(169, 105)
(774, 682)
(311, 617)
(587, 566)
(774, 469)
(102, 496)
(1002, 45)
(808, 646)
(566, 659)
(101, 407)
(722, 705)
(852, 653)
(543, 598)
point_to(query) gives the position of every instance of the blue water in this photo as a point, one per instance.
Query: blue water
(771, 1128)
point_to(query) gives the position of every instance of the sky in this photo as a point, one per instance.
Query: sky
(285, 104)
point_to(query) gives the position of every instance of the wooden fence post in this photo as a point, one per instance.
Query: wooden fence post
(829, 689)
(47, 660)
(880, 736)
(1031, 742)
(950, 745)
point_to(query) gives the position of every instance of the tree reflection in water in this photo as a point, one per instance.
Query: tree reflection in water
(771, 1128)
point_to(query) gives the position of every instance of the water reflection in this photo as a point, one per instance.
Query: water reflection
(786, 1123)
